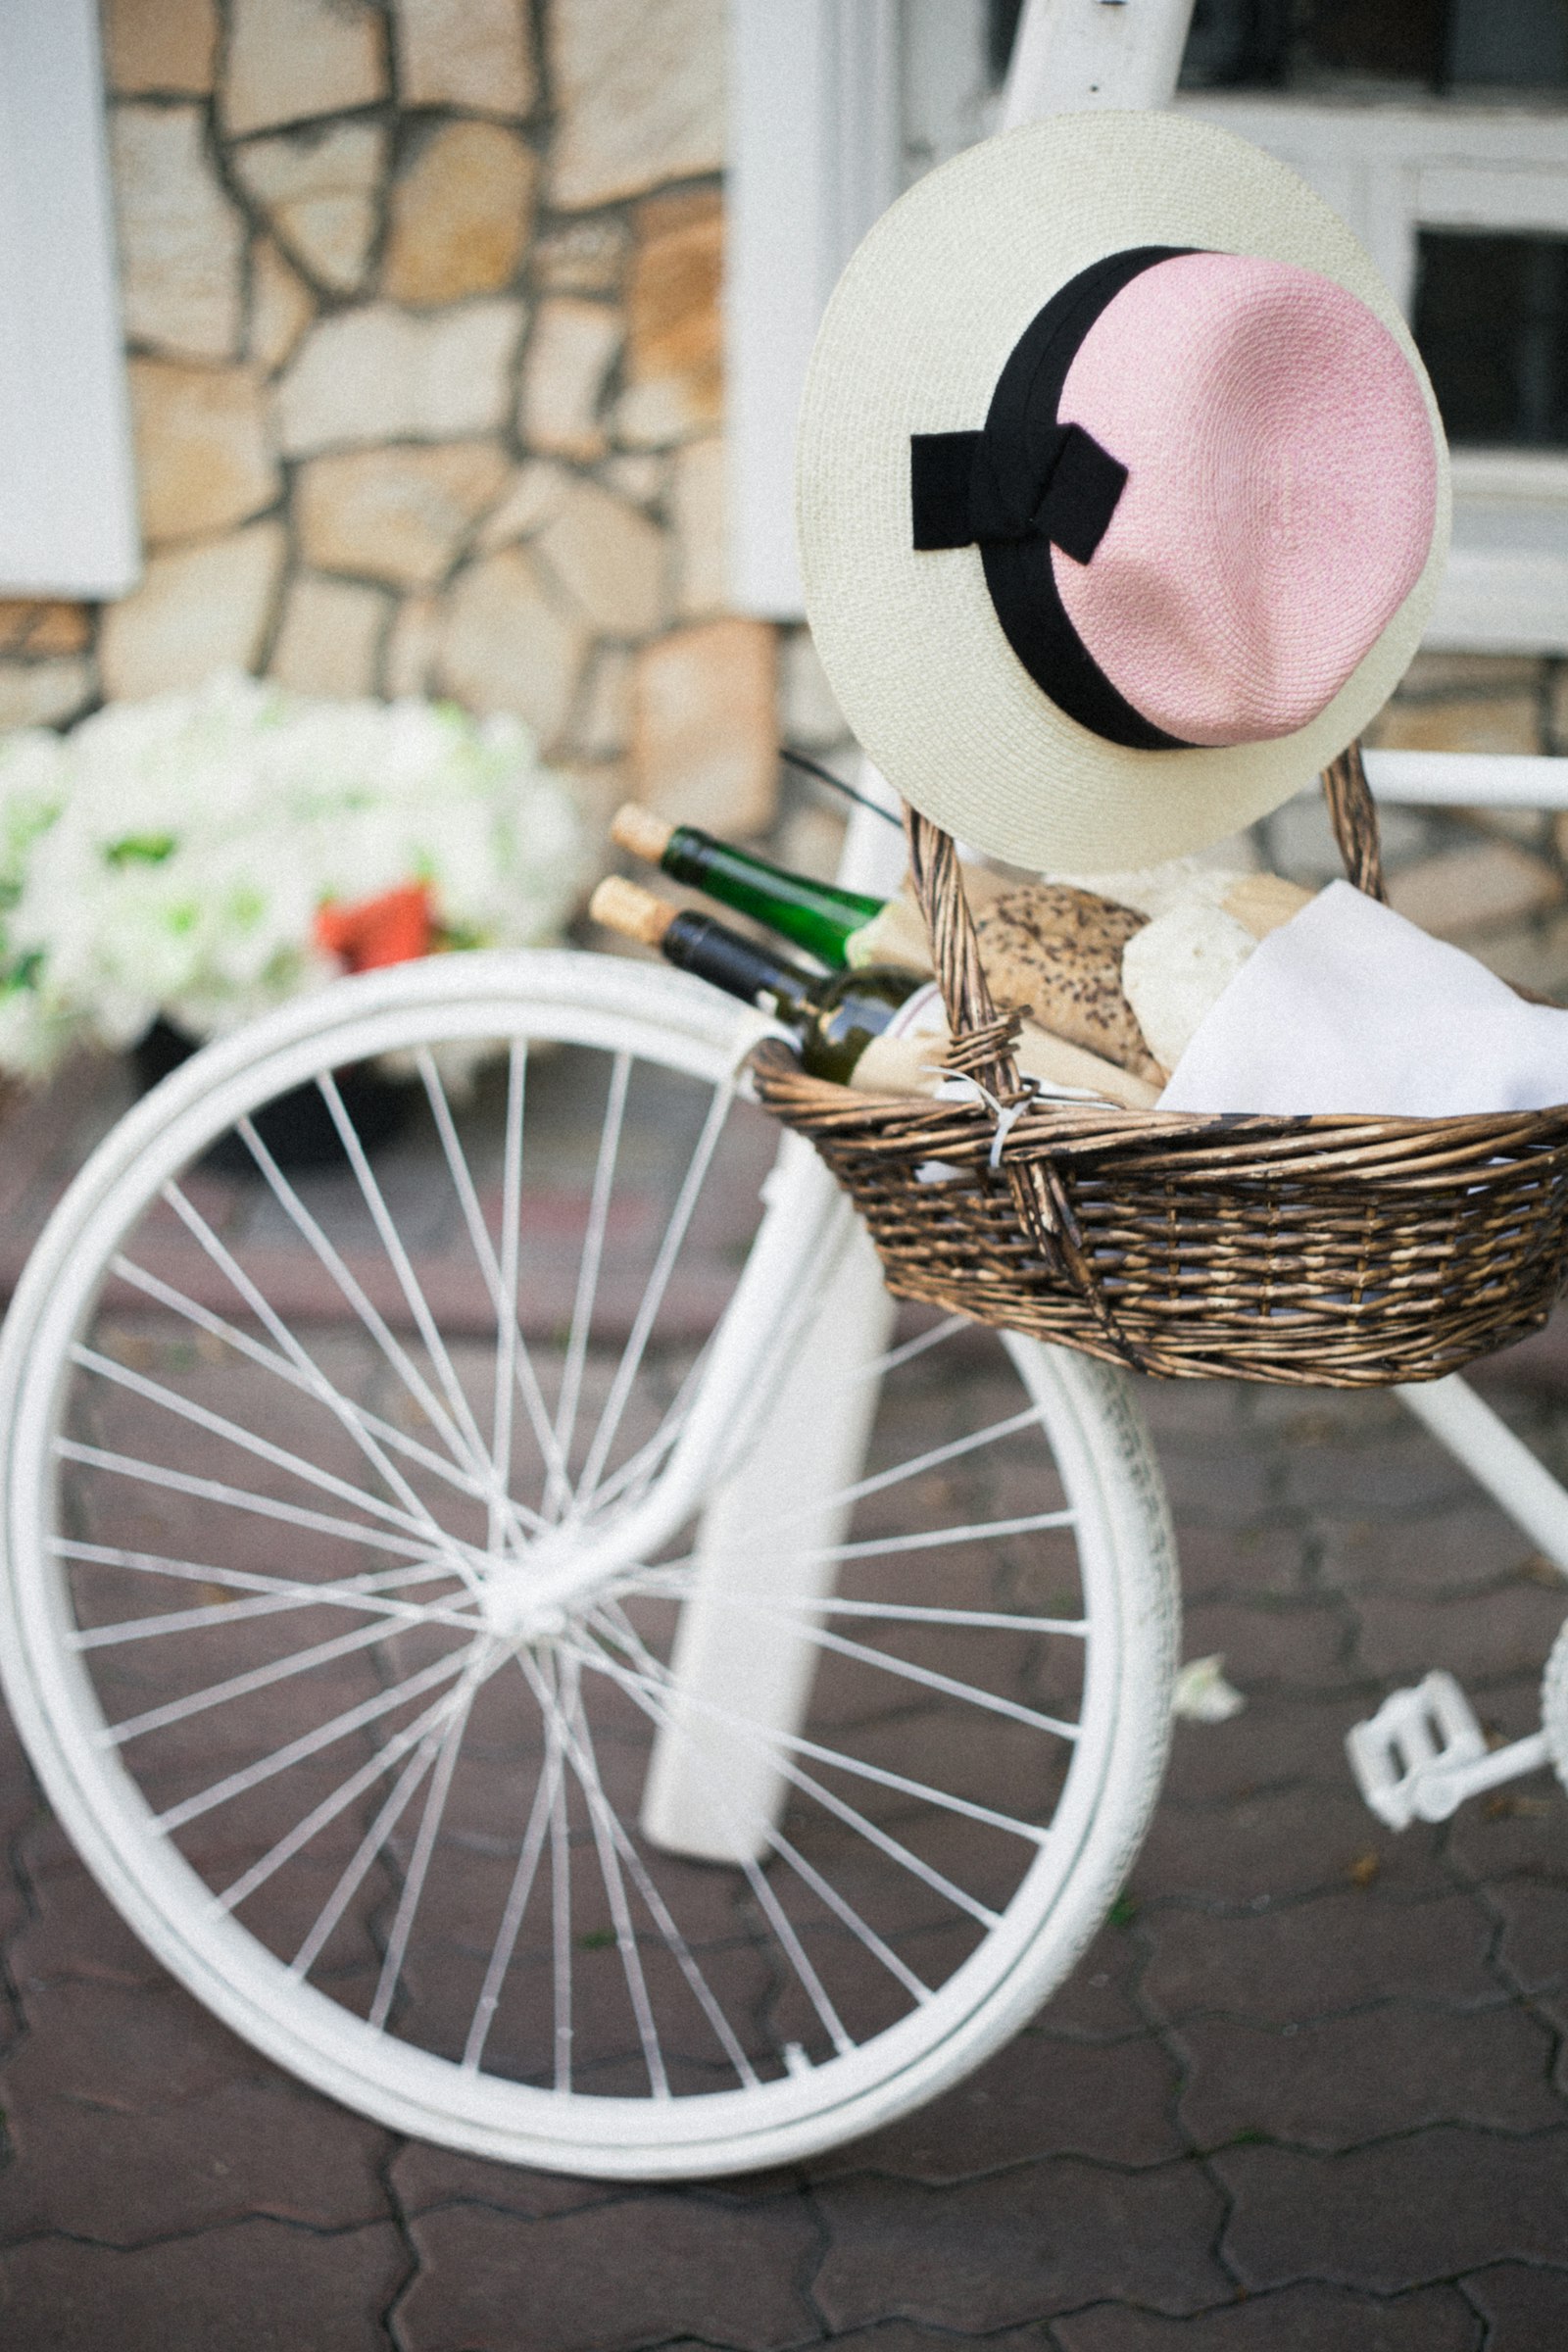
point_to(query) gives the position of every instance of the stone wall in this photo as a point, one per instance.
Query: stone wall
(421, 303)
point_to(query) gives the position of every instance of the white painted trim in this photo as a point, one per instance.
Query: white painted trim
(1501, 603)
(1467, 779)
(1077, 56)
(813, 158)
(68, 510)
(1529, 476)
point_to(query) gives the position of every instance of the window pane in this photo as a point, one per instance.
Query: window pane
(1491, 322)
(1521, 44)
(1378, 47)
(1002, 27)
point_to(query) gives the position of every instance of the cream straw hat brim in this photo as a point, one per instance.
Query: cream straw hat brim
(914, 341)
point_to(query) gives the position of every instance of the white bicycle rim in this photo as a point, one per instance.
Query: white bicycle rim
(268, 1632)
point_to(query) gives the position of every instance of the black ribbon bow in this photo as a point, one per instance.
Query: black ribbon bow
(960, 501)
(1027, 483)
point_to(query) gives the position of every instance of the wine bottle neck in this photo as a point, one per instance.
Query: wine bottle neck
(815, 915)
(743, 968)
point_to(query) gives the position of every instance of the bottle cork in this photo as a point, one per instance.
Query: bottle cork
(640, 831)
(635, 913)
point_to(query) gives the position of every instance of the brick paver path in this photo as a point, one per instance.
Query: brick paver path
(1302, 2095)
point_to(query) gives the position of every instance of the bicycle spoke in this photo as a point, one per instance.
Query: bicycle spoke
(218, 1425)
(652, 1296)
(509, 1338)
(636, 1467)
(905, 1353)
(582, 1758)
(242, 1686)
(310, 1744)
(879, 1482)
(679, 1575)
(295, 1366)
(841, 1807)
(802, 1628)
(376, 1323)
(636, 1474)
(239, 1499)
(356, 1870)
(587, 1778)
(762, 1893)
(560, 1895)
(582, 1306)
(311, 1824)
(846, 1914)
(684, 1580)
(303, 1375)
(785, 1744)
(370, 1592)
(579, 1755)
(413, 1890)
(515, 1364)
(516, 1904)
(409, 1284)
(810, 1877)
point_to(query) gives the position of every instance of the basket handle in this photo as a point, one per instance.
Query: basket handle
(982, 1050)
(1353, 814)
(981, 1040)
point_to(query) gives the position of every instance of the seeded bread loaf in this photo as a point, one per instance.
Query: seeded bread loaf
(1057, 949)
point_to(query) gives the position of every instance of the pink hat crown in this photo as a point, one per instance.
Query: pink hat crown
(1205, 485)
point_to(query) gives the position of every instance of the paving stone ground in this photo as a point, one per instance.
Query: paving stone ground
(1304, 2093)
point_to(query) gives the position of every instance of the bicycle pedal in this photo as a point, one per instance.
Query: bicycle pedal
(1408, 1758)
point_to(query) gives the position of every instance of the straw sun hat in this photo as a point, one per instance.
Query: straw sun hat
(1122, 494)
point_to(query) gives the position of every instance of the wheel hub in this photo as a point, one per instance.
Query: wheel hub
(517, 1616)
(535, 1600)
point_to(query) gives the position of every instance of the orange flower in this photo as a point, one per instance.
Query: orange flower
(392, 928)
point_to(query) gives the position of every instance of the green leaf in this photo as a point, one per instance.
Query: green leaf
(141, 849)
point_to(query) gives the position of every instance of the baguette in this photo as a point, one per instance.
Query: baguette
(911, 1065)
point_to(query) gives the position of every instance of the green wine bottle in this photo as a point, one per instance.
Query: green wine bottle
(832, 1020)
(815, 915)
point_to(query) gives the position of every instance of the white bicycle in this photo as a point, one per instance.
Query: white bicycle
(547, 1730)
(586, 1713)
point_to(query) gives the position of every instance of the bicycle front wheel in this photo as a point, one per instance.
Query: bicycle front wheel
(316, 1625)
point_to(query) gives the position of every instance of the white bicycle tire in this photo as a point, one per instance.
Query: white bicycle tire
(1122, 1543)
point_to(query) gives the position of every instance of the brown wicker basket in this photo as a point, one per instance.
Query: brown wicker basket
(1350, 1251)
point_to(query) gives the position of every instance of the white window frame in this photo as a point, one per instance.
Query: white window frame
(823, 106)
(67, 508)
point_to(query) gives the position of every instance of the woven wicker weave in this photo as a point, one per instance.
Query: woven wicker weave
(1348, 1252)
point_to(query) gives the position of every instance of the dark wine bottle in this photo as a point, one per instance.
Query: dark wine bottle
(817, 916)
(832, 1020)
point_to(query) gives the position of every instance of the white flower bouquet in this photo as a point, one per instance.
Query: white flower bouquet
(203, 855)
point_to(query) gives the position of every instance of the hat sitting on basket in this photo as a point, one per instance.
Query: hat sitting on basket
(1123, 497)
